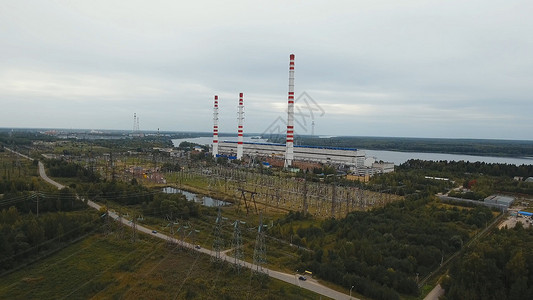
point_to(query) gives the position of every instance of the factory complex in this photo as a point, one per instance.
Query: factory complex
(290, 155)
(326, 155)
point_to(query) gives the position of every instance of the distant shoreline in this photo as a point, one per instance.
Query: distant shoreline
(522, 149)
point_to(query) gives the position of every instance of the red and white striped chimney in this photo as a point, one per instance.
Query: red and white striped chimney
(215, 128)
(241, 121)
(289, 154)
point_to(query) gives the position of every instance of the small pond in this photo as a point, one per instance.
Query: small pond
(204, 200)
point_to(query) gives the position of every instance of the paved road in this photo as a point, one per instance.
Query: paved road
(43, 175)
(309, 284)
(435, 293)
(18, 153)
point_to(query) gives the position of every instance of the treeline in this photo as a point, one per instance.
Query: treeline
(381, 252)
(431, 145)
(117, 191)
(43, 201)
(404, 181)
(15, 185)
(499, 267)
(483, 179)
(172, 206)
(61, 168)
(463, 167)
(22, 138)
(24, 237)
(153, 203)
(139, 144)
(170, 167)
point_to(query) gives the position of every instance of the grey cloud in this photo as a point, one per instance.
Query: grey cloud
(448, 65)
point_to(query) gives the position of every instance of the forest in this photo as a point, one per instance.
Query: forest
(61, 168)
(482, 179)
(34, 225)
(499, 267)
(384, 251)
(508, 148)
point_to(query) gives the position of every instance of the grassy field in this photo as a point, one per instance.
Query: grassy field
(104, 267)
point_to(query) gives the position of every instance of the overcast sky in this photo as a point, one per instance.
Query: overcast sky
(457, 69)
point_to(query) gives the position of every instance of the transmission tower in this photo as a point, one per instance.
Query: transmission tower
(134, 230)
(237, 245)
(112, 165)
(304, 195)
(218, 242)
(333, 200)
(107, 224)
(136, 130)
(170, 237)
(120, 229)
(260, 247)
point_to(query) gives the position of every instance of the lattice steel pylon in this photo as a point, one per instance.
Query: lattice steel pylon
(120, 226)
(333, 200)
(134, 230)
(260, 248)
(171, 241)
(237, 245)
(304, 196)
(218, 242)
(107, 225)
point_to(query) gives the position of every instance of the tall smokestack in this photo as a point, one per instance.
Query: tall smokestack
(289, 154)
(215, 128)
(240, 137)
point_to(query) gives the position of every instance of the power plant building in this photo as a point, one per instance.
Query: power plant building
(288, 152)
(326, 155)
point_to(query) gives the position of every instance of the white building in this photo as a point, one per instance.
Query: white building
(327, 155)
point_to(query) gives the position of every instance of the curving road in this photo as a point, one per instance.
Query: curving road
(309, 284)
(43, 175)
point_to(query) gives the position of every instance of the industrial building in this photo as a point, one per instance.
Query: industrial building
(288, 152)
(328, 155)
(503, 201)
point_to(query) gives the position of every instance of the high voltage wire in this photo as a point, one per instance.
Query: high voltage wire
(198, 253)
(52, 195)
(48, 241)
(101, 273)
(139, 262)
(159, 211)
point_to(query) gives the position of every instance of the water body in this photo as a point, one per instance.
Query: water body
(204, 200)
(400, 157)
(207, 140)
(395, 157)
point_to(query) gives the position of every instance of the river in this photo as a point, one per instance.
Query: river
(395, 157)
